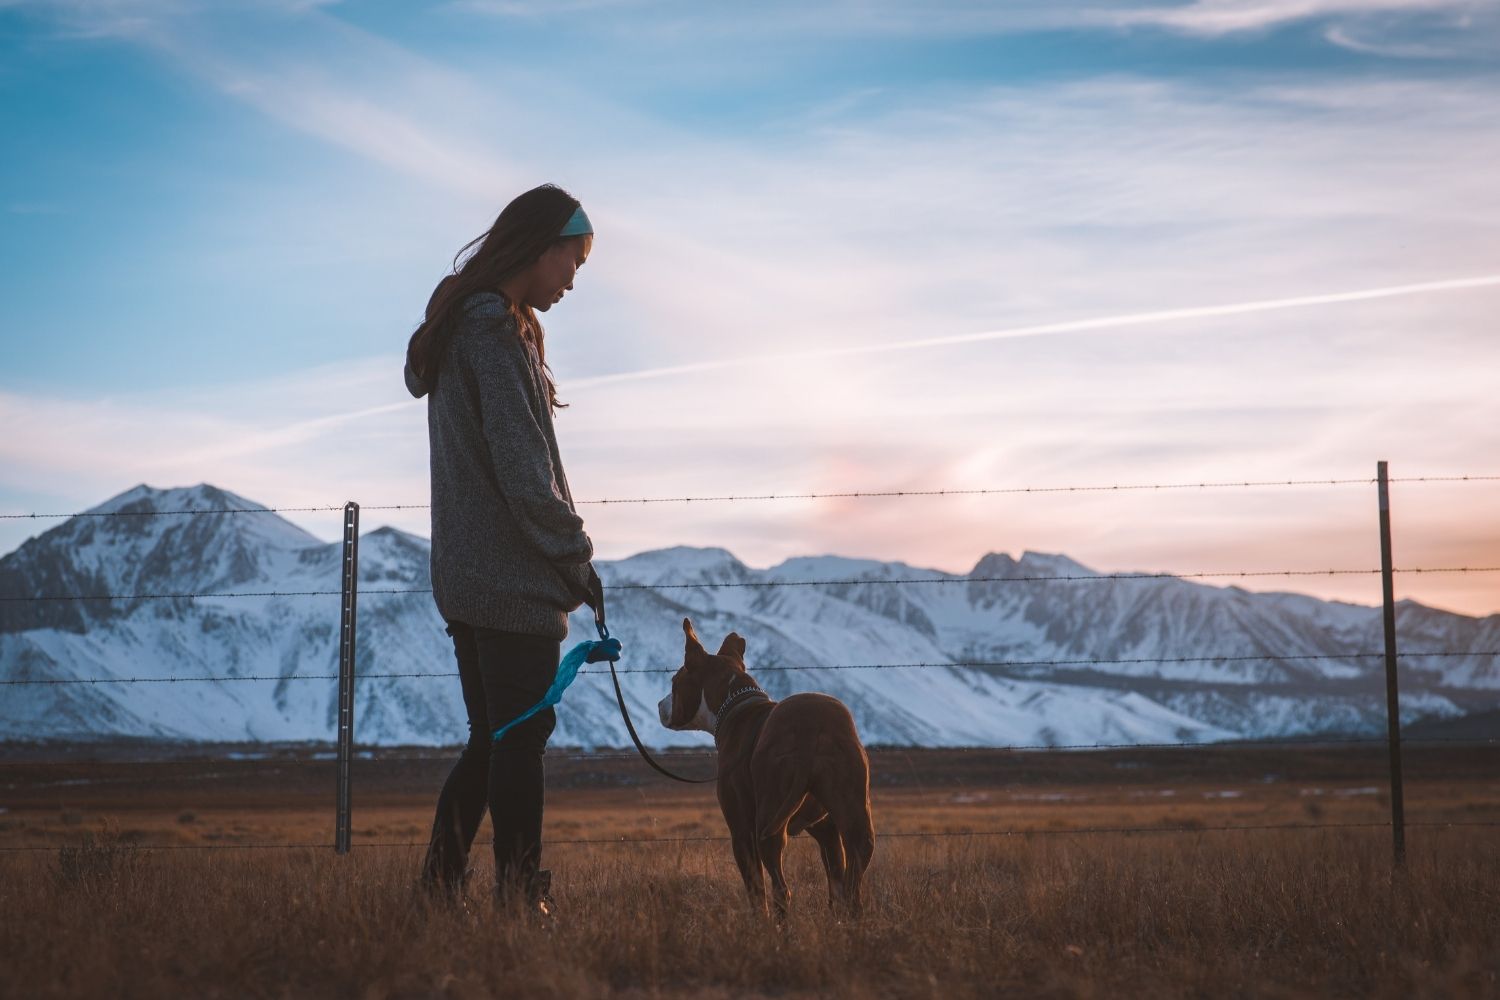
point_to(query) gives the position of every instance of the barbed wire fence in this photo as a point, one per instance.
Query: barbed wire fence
(349, 592)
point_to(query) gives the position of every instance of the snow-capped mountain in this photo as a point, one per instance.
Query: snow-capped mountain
(271, 647)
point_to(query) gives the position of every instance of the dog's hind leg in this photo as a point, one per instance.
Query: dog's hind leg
(739, 814)
(772, 847)
(857, 830)
(848, 805)
(748, 859)
(832, 849)
(779, 792)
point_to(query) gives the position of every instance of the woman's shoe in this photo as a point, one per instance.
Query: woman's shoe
(534, 899)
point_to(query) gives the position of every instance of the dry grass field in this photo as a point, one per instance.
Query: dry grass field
(1071, 907)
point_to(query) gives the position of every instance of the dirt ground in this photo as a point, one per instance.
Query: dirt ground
(235, 795)
(134, 871)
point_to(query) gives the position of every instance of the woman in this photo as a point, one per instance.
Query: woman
(510, 557)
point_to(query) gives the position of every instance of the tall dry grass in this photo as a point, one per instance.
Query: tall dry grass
(1272, 914)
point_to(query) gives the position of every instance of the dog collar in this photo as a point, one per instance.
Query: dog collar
(736, 698)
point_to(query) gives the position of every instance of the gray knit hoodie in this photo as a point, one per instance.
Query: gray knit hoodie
(508, 550)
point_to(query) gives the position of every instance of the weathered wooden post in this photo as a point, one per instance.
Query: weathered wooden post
(1392, 693)
(341, 835)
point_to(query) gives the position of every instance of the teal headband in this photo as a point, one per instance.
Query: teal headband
(578, 224)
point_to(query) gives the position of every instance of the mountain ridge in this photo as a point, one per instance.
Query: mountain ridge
(1061, 661)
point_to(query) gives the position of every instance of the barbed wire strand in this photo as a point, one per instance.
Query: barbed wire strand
(848, 494)
(191, 596)
(439, 757)
(778, 668)
(200, 510)
(899, 834)
(1112, 488)
(754, 584)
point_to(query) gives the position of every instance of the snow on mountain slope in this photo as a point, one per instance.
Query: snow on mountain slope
(272, 657)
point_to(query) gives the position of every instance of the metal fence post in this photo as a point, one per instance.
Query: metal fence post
(1392, 693)
(341, 835)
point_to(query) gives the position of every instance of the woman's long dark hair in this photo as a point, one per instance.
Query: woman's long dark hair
(523, 232)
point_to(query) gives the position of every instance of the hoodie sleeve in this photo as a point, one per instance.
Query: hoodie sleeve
(521, 450)
(415, 385)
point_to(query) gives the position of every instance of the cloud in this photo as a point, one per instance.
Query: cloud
(915, 219)
(1223, 17)
(298, 64)
(533, 10)
(1225, 405)
(61, 454)
(1397, 29)
(1449, 27)
(1344, 38)
(742, 264)
(1401, 28)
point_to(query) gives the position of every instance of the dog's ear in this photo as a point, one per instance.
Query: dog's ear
(733, 646)
(695, 648)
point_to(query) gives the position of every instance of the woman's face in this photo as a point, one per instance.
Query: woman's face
(552, 274)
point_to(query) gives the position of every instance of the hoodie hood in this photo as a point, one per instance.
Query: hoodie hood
(415, 385)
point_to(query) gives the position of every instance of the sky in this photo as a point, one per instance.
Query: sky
(848, 247)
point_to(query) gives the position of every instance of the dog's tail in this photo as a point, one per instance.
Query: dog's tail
(787, 798)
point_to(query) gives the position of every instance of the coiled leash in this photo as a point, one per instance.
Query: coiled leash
(605, 649)
(567, 673)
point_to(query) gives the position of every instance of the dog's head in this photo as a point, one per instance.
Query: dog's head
(702, 682)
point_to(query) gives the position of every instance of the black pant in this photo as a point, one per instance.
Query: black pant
(503, 674)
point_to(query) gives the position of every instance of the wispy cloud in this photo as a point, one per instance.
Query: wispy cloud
(1153, 318)
(1399, 29)
(333, 82)
(537, 9)
(1345, 38)
(1222, 17)
(1462, 24)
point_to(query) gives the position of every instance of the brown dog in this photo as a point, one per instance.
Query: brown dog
(784, 767)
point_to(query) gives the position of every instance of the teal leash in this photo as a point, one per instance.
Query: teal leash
(588, 651)
(604, 649)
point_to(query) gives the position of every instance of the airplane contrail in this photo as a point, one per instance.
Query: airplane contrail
(1069, 326)
(303, 429)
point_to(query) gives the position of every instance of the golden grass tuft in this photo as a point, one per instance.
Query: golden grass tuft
(1211, 914)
